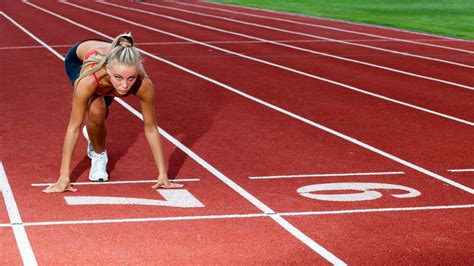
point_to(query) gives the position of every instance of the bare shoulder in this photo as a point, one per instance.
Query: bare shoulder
(146, 92)
(87, 46)
(86, 87)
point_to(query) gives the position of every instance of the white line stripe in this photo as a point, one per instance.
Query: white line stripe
(245, 194)
(22, 241)
(287, 45)
(274, 65)
(388, 28)
(413, 41)
(281, 110)
(120, 182)
(245, 216)
(326, 175)
(461, 170)
(424, 208)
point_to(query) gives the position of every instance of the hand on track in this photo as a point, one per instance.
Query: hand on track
(59, 187)
(166, 184)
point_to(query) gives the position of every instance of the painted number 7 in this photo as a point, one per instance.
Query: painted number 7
(178, 198)
(363, 191)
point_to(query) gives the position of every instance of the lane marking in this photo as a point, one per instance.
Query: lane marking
(246, 216)
(326, 175)
(402, 209)
(359, 191)
(119, 182)
(292, 46)
(326, 254)
(274, 107)
(178, 198)
(268, 63)
(413, 41)
(461, 170)
(388, 28)
(19, 231)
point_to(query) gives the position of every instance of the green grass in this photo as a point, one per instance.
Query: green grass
(445, 17)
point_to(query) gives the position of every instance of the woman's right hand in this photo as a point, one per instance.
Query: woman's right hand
(62, 185)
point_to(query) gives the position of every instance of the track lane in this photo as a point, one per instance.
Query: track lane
(10, 254)
(429, 237)
(178, 242)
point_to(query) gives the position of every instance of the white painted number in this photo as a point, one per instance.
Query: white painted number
(365, 191)
(180, 198)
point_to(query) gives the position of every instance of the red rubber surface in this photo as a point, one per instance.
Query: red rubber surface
(240, 138)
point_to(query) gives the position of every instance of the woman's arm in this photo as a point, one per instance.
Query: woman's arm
(146, 94)
(82, 94)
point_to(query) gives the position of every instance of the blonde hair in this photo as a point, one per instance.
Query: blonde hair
(121, 50)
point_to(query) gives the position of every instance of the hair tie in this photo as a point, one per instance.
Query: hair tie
(128, 41)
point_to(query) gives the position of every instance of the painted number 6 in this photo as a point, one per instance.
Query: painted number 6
(365, 191)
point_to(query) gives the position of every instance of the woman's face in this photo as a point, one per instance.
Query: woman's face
(122, 76)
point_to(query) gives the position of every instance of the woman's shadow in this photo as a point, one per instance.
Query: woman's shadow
(116, 147)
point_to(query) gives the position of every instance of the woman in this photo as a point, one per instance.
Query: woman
(100, 71)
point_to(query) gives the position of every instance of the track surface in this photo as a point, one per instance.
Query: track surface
(300, 140)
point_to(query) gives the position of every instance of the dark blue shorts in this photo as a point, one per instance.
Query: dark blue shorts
(73, 65)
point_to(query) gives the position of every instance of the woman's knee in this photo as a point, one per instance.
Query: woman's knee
(97, 111)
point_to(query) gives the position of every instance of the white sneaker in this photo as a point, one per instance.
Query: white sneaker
(99, 167)
(90, 149)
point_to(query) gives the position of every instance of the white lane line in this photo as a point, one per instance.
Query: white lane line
(288, 45)
(246, 216)
(387, 28)
(120, 182)
(402, 209)
(274, 65)
(412, 41)
(326, 254)
(280, 110)
(460, 170)
(326, 175)
(19, 231)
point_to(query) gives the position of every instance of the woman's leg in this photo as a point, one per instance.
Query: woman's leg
(96, 125)
(97, 131)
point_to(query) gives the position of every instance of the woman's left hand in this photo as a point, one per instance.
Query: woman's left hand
(166, 184)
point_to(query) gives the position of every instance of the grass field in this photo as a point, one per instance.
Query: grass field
(446, 17)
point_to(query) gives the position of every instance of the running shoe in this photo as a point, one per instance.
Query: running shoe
(90, 149)
(98, 171)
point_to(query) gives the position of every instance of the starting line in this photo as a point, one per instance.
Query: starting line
(120, 182)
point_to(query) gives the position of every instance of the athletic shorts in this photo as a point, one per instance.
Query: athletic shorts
(73, 65)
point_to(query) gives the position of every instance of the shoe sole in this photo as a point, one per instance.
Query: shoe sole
(99, 180)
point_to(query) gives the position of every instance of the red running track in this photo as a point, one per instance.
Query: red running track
(241, 139)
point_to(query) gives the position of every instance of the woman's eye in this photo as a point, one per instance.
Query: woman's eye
(131, 79)
(118, 77)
